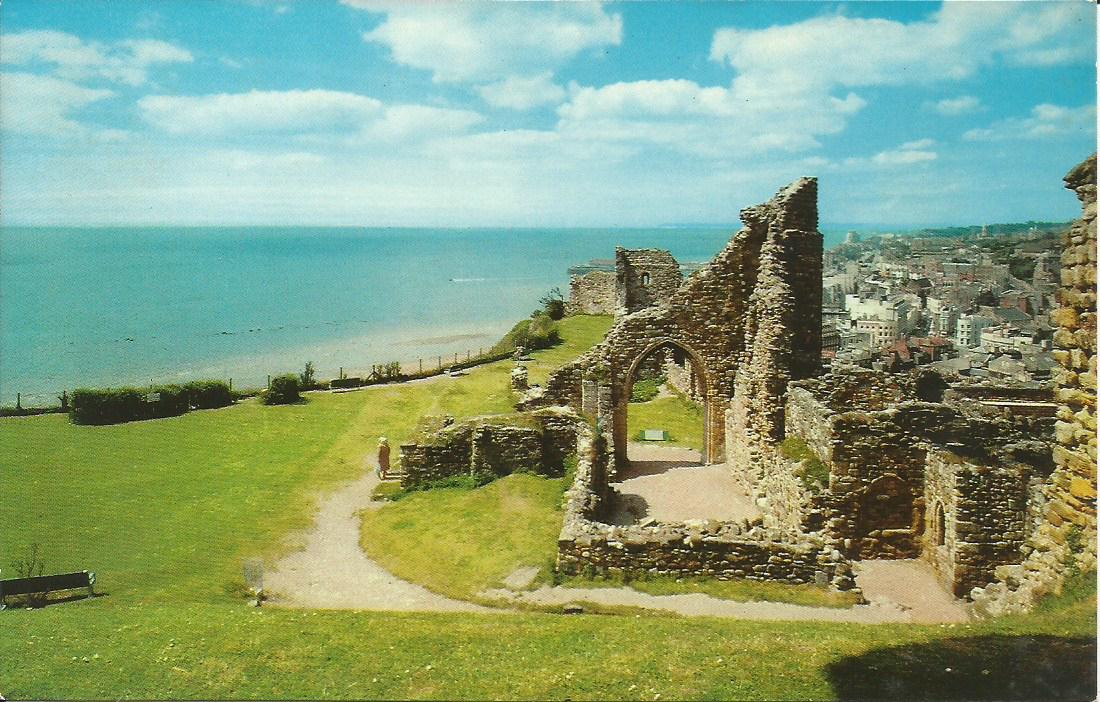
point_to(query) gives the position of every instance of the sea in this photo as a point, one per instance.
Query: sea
(97, 306)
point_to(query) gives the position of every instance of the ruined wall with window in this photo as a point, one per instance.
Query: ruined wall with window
(708, 319)
(644, 278)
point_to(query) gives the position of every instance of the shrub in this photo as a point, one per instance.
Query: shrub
(208, 394)
(341, 383)
(553, 304)
(307, 376)
(107, 406)
(284, 390)
(646, 390)
(538, 332)
(814, 473)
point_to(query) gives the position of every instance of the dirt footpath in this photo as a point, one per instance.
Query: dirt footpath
(332, 572)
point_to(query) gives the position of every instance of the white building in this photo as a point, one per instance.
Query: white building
(968, 330)
(895, 310)
(882, 333)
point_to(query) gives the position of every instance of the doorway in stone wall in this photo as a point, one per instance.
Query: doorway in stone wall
(665, 404)
(662, 413)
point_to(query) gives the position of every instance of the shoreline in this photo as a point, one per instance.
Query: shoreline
(355, 355)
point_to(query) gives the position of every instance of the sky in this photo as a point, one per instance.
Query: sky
(373, 113)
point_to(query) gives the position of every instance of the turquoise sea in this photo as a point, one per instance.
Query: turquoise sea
(110, 306)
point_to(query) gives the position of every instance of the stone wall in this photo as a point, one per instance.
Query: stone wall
(875, 438)
(725, 550)
(537, 441)
(1065, 538)
(705, 318)
(977, 517)
(644, 278)
(592, 293)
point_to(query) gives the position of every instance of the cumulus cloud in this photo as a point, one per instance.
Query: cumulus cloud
(267, 111)
(74, 59)
(487, 41)
(523, 92)
(952, 107)
(906, 155)
(304, 113)
(711, 121)
(837, 51)
(1046, 121)
(43, 105)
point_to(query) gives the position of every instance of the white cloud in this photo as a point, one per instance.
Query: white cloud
(523, 92)
(33, 104)
(72, 58)
(903, 156)
(305, 114)
(714, 122)
(1046, 121)
(486, 41)
(266, 111)
(825, 53)
(405, 121)
(952, 107)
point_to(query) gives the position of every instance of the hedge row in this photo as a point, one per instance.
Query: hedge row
(115, 405)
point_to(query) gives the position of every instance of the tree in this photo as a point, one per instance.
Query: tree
(554, 304)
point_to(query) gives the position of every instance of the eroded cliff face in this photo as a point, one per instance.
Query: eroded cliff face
(1065, 539)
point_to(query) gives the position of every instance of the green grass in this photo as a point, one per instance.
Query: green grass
(169, 509)
(579, 333)
(173, 650)
(682, 418)
(459, 542)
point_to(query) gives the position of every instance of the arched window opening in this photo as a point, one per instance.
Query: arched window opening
(645, 279)
(939, 527)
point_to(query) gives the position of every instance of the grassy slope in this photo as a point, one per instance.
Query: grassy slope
(459, 542)
(682, 419)
(170, 508)
(166, 510)
(222, 651)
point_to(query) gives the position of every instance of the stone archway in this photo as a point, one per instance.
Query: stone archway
(712, 426)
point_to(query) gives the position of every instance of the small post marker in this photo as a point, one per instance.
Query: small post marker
(421, 365)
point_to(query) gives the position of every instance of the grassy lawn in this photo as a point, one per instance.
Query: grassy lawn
(173, 650)
(165, 512)
(459, 542)
(736, 590)
(682, 418)
(171, 508)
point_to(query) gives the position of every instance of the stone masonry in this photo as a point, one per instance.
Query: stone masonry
(644, 277)
(497, 445)
(708, 318)
(592, 293)
(1065, 537)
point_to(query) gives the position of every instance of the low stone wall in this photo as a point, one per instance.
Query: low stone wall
(536, 441)
(725, 550)
(592, 293)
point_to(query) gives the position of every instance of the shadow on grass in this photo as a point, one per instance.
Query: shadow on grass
(973, 668)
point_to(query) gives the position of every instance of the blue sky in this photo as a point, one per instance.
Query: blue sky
(536, 114)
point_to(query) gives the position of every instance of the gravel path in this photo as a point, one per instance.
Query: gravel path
(912, 585)
(332, 572)
(700, 605)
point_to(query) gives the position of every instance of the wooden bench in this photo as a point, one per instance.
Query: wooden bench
(42, 584)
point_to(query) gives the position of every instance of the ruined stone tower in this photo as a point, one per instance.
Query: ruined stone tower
(757, 304)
